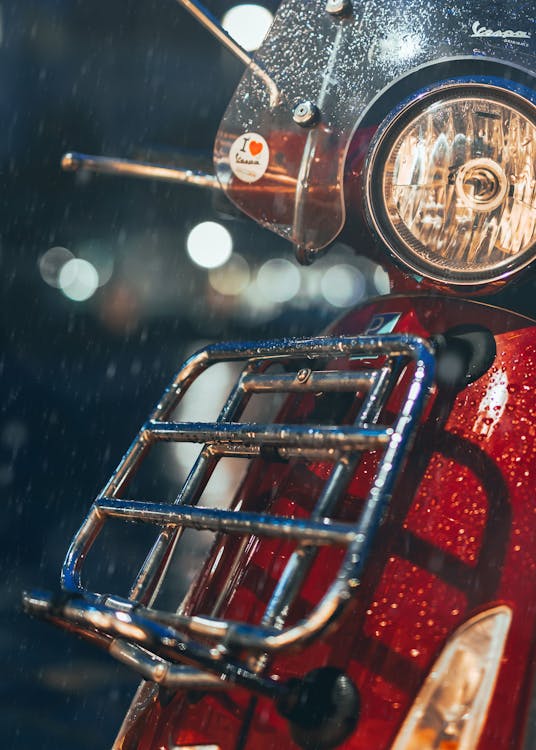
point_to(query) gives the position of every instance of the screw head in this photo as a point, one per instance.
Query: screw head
(338, 7)
(303, 375)
(159, 672)
(306, 114)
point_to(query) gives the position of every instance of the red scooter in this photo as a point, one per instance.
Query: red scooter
(370, 583)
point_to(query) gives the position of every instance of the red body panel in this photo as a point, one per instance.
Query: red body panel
(460, 538)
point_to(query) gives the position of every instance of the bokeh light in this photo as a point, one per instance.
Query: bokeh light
(248, 24)
(343, 285)
(209, 244)
(381, 281)
(78, 279)
(278, 280)
(98, 254)
(232, 278)
(51, 263)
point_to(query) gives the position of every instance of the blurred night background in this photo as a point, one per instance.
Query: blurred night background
(101, 302)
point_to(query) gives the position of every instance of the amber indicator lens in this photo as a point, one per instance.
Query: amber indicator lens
(451, 707)
(451, 183)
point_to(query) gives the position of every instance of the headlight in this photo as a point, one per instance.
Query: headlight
(451, 182)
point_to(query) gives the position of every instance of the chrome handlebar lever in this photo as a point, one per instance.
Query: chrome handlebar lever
(77, 162)
(110, 165)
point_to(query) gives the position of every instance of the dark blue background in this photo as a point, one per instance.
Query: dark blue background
(106, 76)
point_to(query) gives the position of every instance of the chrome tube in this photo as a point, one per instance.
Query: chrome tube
(111, 165)
(348, 438)
(228, 521)
(146, 586)
(210, 23)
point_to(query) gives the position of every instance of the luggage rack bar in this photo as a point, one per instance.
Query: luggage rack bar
(227, 521)
(151, 640)
(349, 438)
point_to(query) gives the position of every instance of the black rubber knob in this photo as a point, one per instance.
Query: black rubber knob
(322, 708)
(463, 353)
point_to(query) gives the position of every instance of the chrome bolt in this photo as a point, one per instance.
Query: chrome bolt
(159, 672)
(306, 114)
(303, 375)
(304, 256)
(339, 7)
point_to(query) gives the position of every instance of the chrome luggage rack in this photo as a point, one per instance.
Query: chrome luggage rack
(181, 650)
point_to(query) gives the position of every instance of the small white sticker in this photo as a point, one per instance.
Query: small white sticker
(249, 157)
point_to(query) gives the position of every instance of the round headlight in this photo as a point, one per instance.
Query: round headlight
(451, 182)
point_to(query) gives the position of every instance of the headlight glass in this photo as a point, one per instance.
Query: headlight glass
(451, 182)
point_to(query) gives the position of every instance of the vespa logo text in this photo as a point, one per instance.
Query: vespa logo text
(249, 157)
(480, 31)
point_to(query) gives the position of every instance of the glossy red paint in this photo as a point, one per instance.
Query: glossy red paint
(460, 538)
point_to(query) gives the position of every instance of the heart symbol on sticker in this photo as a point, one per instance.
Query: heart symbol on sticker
(255, 148)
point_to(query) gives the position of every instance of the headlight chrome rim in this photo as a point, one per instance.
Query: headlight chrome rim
(492, 180)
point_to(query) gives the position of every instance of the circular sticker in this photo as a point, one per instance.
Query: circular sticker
(249, 157)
